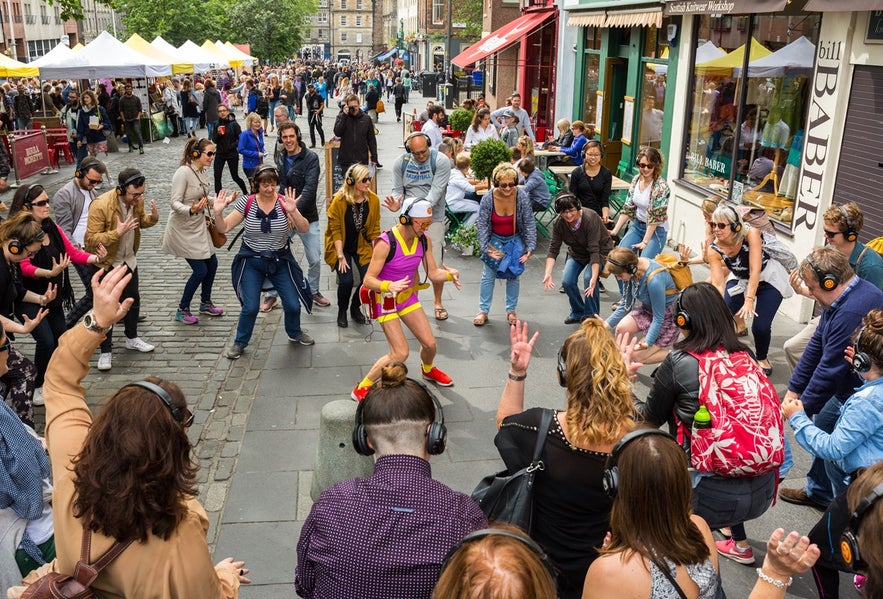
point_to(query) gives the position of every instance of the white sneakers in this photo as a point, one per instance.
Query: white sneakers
(38, 397)
(105, 361)
(138, 344)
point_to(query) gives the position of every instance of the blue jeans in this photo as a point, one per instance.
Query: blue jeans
(580, 305)
(636, 233)
(766, 304)
(313, 253)
(819, 486)
(486, 291)
(210, 127)
(273, 105)
(255, 271)
(203, 274)
(291, 113)
(190, 124)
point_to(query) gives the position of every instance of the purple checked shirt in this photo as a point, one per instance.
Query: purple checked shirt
(384, 536)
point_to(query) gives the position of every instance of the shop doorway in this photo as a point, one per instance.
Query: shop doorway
(615, 78)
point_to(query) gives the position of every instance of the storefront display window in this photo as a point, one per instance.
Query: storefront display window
(745, 133)
(590, 81)
(654, 85)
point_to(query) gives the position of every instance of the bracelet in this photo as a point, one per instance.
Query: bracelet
(450, 277)
(517, 377)
(43, 300)
(779, 584)
(749, 297)
(384, 286)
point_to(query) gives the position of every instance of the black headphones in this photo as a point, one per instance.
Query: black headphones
(629, 268)
(436, 436)
(196, 152)
(412, 136)
(562, 368)
(349, 175)
(736, 225)
(610, 479)
(827, 280)
(405, 217)
(849, 550)
(121, 188)
(682, 317)
(851, 234)
(86, 165)
(526, 540)
(28, 199)
(861, 361)
(178, 413)
(263, 169)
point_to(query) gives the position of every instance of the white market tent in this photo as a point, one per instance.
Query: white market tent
(139, 44)
(56, 54)
(198, 65)
(105, 56)
(799, 56)
(235, 53)
(201, 55)
(707, 51)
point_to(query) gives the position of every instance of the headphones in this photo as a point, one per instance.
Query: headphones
(861, 361)
(629, 268)
(610, 479)
(412, 136)
(121, 188)
(851, 234)
(349, 175)
(436, 436)
(736, 225)
(28, 199)
(196, 152)
(263, 169)
(827, 280)
(682, 317)
(849, 550)
(17, 247)
(526, 540)
(178, 413)
(405, 217)
(86, 165)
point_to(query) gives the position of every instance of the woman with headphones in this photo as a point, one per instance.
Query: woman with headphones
(186, 235)
(855, 443)
(353, 225)
(45, 270)
(571, 510)
(759, 283)
(646, 207)
(647, 305)
(505, 221)
(268, 218)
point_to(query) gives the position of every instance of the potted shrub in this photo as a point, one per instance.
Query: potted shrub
(486, 155)
(466, 240)
(460, 119)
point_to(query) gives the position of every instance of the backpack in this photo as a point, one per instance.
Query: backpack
(56, 585)
(746, 434)
(679, 271)
(778, 251)
(393, 243)
(433, 157)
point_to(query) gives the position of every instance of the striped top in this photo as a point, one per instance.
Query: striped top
(263, 232)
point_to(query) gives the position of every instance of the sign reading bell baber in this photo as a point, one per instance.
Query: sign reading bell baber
(721, 7)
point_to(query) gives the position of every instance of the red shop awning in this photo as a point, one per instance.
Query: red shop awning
(502, 38)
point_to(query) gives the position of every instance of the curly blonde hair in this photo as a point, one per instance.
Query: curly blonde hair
(599, 393)
(504, 169)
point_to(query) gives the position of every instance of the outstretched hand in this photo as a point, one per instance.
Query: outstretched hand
(627, 346)
(521, 347)
(107, 288)
(787, 555)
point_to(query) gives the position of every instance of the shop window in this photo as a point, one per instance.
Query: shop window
(653, 90)
(745, 134)
(590, 89)
(593, 38)
(656, 40)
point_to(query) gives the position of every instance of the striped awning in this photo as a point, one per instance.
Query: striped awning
(586, 19)
(615, 18)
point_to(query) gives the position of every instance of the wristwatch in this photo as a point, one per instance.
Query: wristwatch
(91, 324)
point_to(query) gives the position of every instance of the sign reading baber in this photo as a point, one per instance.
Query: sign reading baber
(721, 7)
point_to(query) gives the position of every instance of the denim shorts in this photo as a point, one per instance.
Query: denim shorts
(724, 501)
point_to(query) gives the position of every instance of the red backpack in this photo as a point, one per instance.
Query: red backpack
(746, 437)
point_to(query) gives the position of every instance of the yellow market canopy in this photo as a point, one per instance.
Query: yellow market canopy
(724, 65)
(238, 54)
(14, 68)
(211, 48)
(139, 44)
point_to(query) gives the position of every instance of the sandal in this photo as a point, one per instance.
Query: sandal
(441, 314)
(512, 317)
(480, 319)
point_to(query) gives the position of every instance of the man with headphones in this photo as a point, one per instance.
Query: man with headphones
(358, 142)
(422, 173)
(841, 226)
(115, 221)
(822, 379)
(71, 206)
(431, 128)
(387, 535)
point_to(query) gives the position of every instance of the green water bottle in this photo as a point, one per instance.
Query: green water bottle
(702, 418)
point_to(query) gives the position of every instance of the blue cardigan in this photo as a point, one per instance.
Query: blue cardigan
(250, 144)
(575, 150)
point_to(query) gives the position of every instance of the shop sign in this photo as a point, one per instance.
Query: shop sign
(31, 154)
(721, 7)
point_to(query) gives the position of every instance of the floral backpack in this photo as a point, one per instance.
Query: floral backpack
(746, 434)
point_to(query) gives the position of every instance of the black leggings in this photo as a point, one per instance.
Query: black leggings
(345, 283)
(233, 163)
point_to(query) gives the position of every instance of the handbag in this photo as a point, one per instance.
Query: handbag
(381, 107)
(505, 497)
(218, 238)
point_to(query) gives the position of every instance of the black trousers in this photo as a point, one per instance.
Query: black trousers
(133, 130)
(316, 123)
(232, 162)
(130, 320)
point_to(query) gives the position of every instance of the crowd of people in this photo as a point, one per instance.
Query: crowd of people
(600, 527)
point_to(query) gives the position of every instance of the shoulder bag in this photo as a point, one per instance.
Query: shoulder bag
(505, 497)
(218, 238)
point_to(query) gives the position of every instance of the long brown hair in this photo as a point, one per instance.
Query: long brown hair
(599, 393)
(643, 520)
(135, 470)
(870, 530)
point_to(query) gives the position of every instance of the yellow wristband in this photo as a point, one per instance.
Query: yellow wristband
(450, 277)
(384, 286)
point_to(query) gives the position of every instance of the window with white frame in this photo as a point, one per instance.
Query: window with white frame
(343, 20)
(358, 38)
(343, 36)
(358, 20)
(438, 11)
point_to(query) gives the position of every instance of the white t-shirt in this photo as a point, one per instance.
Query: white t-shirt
(641, 200)
(80, 228)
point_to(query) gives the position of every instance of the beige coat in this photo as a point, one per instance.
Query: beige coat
(157, 569)
(186, 235)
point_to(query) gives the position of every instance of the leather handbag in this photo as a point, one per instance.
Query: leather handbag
(218, 238)
(505, 497)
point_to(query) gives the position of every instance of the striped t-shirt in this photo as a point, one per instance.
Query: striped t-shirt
(263, 232)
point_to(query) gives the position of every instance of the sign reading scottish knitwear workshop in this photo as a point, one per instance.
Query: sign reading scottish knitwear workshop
(721, 7)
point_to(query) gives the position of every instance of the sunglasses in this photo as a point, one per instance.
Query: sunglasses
(92, 181)
(40, 203)
(137, 196)
(832, 234)
(31, 253)
(366, 179)
(209, 154)
(6, 346)
(719, 226)
(644, 165)
(506, 185)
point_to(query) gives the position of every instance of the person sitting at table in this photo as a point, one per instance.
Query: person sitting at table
(573, 154)
(532, 181)
(591, 182)
(525, 150)
(565, 136)
(480, 129)
(462, 194)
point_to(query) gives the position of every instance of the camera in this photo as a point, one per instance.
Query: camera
(352, 109)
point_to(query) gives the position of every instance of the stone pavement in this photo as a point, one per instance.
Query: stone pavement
(257, 418)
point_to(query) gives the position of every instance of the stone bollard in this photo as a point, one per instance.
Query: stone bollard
(336, 460)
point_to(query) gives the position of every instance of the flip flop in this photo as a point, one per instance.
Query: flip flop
(441, 314)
